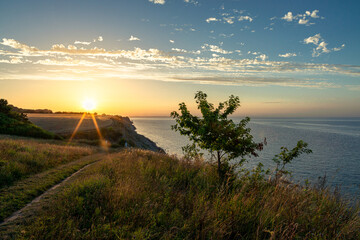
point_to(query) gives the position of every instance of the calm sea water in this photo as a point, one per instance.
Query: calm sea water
(335, 143)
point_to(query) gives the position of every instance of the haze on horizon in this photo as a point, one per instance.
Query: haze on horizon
(142, 57)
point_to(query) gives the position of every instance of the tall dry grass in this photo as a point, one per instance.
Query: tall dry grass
(21, 158)
(143, 195)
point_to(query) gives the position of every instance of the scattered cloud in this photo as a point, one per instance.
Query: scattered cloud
(226, 35)
(214, 48)
(286, 55)
(230, 18)
(303, 19)
(321, 45)
(338, 48)
(212, 19)
(12, 60)
(256, 81)
(141, 62)
(171, 41)
(162, 2)
(179, 50)
(192, 2)
(245, 18)
(263, 57)
(132, 38)
(83, 43)
(100, 39)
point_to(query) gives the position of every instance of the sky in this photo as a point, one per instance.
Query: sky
(282, 58)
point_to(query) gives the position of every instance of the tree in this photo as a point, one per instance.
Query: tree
(6, 109)
(286, 156)
(223, 138)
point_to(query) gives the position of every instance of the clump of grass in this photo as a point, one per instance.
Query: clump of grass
(22, 158)
(144, 195)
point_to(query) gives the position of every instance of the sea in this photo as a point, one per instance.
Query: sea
(335, 143)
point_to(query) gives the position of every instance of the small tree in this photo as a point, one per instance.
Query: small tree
(214, 132)
(286, 156)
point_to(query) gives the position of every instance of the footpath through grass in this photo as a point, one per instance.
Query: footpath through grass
(21, 158)
(139, 194)
(28, 168)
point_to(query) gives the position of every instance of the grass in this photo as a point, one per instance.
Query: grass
(22, 158)
(17, 196)
(28, 167)
(13, 126)
(139, 194)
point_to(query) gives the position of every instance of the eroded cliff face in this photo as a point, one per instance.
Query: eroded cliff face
(132, 138)
(117, 131)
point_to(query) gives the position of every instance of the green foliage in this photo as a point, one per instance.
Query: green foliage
(214, 132)
(191, 152)
(286, 156)
(143, 195)
(14, 123)
(7, 110)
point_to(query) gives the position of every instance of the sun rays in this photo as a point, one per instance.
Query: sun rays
(89, 105)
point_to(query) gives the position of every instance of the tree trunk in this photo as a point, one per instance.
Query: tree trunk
(219, 163)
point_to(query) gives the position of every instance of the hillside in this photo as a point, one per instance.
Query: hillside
(116, 130)
(137, 194)
(14, 123)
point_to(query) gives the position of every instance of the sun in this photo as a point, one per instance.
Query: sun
(89, 104)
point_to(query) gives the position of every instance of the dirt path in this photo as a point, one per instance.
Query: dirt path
(9, 224)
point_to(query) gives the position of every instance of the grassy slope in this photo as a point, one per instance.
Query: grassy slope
(144, 195)
(22, 158)
(29, 167)
(13, 126)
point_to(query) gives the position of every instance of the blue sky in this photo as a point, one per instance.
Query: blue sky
(282, 58)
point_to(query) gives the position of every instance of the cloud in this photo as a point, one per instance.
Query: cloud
(321, 45)
(13, 60)
(303, 19)
(214, 48)
(132, 38)
(226, 35)
(192, 1)
(17, 45)
(162, 2)
(288, 17)
(263, 57)
(230, 18)
(314, 39)
(211, 19)
(256, 81)
(153, 63)
(83, 43)
(100, 39)
(171, 41)
(313, 14)
(338, 48)
(286, 55)
(247, 18)
(179, 50)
